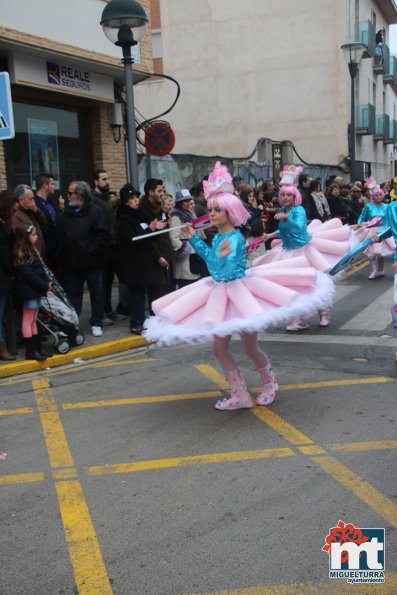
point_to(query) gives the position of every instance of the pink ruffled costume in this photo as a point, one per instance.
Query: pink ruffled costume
(234, 299)
(321, 245)
(385, 248)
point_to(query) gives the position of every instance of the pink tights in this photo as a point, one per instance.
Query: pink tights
(220, 347)
(29, 327)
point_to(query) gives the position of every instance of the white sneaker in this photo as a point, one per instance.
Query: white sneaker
(97, 331)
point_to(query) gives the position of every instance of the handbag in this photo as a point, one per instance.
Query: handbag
(197, 265)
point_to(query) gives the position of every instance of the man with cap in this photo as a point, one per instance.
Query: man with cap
(135, 259)
(182, 250)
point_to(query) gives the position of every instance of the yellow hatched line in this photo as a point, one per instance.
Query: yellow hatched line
(140, 400)
(223, 457)
(321, 588)
(361, 488)
(355, 270)
(214, 375)
(89, 570)
(331, 383)
(21, 478)
(54, 435)
(121, 360)
(16, 411)
(85, 555)
(350, 480)
(279, 425)
(364, 446)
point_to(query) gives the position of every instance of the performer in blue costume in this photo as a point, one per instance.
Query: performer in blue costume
(391, 223)
(321, 244)
(375, 208)
(234, 299)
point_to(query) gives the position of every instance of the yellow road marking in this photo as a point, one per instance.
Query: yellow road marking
(331, 383)
(329, 587)
(223, 457)
(68, 473)
(216, 377)
(140, 400)
(123, 359)
(16, 411)
(21, 478)
(312, 450)
(54, 435)
(85, 555)
(364, 446)
(361, 488)
(279, 425)
(88, 352)
(355, 270)
(89, 570)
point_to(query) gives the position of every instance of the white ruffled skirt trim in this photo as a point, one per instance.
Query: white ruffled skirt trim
(330, 241)
(267, 296)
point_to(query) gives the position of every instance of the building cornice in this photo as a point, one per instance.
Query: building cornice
(19, 40)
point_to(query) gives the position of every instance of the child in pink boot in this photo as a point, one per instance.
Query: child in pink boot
(234, 299)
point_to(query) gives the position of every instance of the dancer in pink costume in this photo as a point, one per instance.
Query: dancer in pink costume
(234, 299)
(320, 245)
(375, 208)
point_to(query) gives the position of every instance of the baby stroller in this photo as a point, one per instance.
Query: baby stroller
(58, 309)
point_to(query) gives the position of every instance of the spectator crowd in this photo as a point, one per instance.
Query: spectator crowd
(93, 235)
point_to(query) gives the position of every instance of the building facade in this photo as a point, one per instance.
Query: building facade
(275, 69)
(67, 82)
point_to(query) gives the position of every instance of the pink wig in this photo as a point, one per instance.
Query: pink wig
(237, 212)
(375, 192)
(294, 190)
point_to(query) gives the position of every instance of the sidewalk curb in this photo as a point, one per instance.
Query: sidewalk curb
(86, 353)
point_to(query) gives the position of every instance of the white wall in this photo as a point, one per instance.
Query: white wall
(259, 68)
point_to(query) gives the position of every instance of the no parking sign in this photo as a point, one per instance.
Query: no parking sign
(6, 114)
(159, 138)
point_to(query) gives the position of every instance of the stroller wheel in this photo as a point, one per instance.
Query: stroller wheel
(62, 347)
(78, 339)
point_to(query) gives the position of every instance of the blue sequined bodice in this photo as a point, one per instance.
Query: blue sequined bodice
(225, 268)
(372, 210)
(293, 231)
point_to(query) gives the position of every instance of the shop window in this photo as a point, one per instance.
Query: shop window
(47, 140)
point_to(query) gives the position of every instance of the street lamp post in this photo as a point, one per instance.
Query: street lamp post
(124, 24)
(353, 53)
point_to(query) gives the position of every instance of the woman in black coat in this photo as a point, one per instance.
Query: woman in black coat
(8, 206)
(135, 260)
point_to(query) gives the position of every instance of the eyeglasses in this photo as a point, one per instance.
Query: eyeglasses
(70, 193)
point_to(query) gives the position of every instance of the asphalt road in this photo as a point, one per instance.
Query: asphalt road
(121, 476)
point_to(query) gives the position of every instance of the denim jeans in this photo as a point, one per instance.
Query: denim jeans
(74, 287)
(137, 305)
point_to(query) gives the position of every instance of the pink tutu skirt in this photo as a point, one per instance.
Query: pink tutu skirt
(330, 242)
(268, 295)
(385, 248)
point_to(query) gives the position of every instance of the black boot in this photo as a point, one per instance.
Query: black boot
(31, 352)
(39, 348)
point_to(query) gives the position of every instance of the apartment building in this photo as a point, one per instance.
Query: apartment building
(66, 79)
(275, 69)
